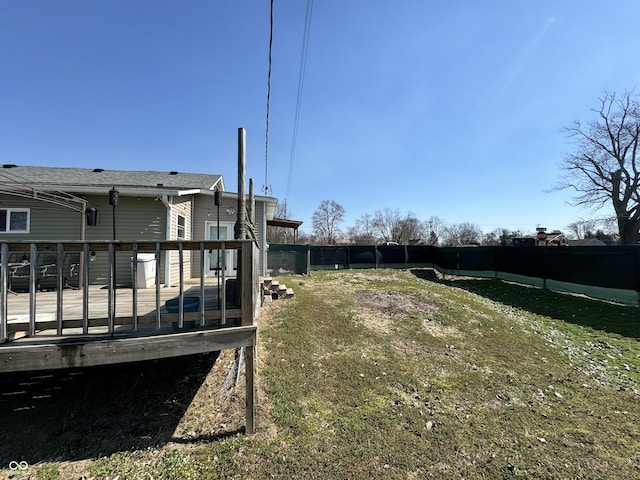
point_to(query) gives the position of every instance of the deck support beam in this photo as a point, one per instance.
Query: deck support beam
(25, 357)
(250, 388)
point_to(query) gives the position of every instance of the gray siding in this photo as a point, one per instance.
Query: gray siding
(47, 221)
(261, 227)
(136, 219)
(181, 206)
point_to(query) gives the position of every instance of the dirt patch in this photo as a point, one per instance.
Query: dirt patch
(394, 304)
(378, 310)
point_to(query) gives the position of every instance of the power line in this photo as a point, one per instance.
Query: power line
(303, 64)
(266, 187)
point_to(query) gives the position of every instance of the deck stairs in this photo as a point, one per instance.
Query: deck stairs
(274, 290)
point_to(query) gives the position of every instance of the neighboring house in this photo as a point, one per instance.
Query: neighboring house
(588, 242)
(47, 203)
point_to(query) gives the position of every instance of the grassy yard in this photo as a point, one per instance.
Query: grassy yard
(400, 374)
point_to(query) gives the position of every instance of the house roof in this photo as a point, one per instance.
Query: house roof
(62, 185)
(285, 223)
(589, 242)
(87, 180)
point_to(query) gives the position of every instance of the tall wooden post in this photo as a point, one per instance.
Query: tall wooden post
(241, 234)
(240, 227)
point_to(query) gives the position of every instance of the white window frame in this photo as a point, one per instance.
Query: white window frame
(11, 211)
(231, 262)
(183, 227)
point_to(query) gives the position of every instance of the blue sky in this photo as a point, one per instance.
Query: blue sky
(453, 109)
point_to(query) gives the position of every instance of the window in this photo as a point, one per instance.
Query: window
(14, 220)
(182, 226)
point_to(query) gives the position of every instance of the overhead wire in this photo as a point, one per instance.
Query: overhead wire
(303, 65)
(266, 188)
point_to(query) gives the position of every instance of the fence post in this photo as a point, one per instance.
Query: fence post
(4, 289)
(544, 268)
(495, 267)
(406, 258)
(637, 270)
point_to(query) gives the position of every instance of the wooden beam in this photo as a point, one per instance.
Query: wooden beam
(92, 352)
(121, 245)
(247, 300)
(250, 387)
(23, 325)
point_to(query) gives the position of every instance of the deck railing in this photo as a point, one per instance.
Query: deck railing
(87, 326)
(223, 302)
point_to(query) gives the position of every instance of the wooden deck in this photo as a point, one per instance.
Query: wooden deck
(98, 310)
(106, 324)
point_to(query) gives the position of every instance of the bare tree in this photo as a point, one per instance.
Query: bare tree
(326, 220)
(304, 237)
(470, 234)
(581, 227)
(434, 226)
(450, 236)
(390, 226)
(411, 228)
(387, 224)
(363, 233)
(491, 239)
(604, 167)
(461, 234)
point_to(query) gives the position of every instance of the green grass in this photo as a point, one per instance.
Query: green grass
(492, 381)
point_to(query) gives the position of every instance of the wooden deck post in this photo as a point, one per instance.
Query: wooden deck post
(4, 289)
(250, 387)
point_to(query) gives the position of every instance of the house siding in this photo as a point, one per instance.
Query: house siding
(181, 206)
(136, 219)
(206, 211)
(261, 228)
(47, 221)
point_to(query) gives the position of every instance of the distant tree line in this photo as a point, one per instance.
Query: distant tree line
(388, 225)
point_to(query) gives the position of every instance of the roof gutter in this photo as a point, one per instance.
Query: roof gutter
(193, 191)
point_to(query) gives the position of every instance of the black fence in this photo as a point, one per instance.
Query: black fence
(288, 258)
(603, 267)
